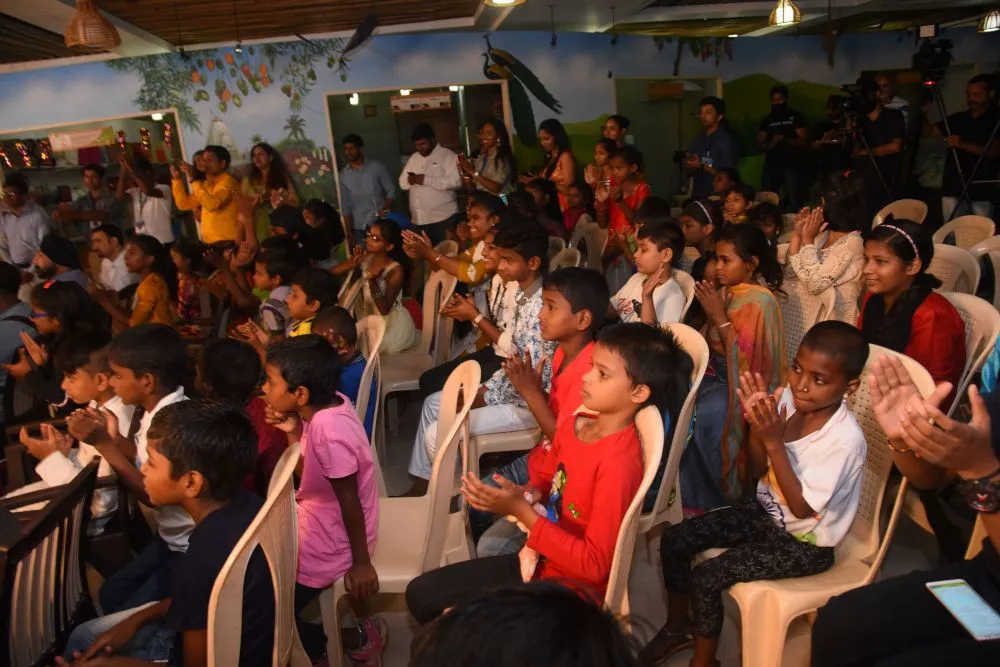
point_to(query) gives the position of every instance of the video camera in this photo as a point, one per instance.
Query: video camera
(862, 97)
(932, 60)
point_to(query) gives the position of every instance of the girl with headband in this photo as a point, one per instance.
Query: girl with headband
(699, 221)
(901, 311)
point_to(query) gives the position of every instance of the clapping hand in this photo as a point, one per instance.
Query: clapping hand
(254, 334)
(813, 225)
(501, 501)
(891, 388)
(95, 427)
(460, 307)
(711, 302)
(761, 409)
(52, 441)
(933, 436)
(525, 376)
(37, 352)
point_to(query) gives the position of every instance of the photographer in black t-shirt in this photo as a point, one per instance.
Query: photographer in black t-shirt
(882, 131)
(782, 135)
(970, 131)
(830, 139)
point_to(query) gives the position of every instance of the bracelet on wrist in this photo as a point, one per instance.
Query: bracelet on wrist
(901, 450)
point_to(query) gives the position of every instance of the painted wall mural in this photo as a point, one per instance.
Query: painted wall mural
(276, 92)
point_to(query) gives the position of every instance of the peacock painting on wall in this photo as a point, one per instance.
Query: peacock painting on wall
(501, 65)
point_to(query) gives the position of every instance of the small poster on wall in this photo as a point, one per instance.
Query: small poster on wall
(70, 141)
(420, 102)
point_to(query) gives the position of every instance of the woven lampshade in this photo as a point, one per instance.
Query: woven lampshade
(784, 13)
(90, 31)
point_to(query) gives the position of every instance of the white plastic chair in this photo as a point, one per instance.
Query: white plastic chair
(401, 372)
(956, 268)
(903, 209)
(667, 508)
(556, 246)
(350, 294)
(800, 310)
(569, 257)
(766, 197)
(274, 531)
(371, 332)
(969, 230)
(594, 239)
(982, 326)
(768, 607)
(649, 423)
(990, 250)
(782, 252)
(686, 283)
(416, 535)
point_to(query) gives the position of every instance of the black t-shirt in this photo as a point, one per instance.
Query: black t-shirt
(887, 127)
(974, 131)
(786, 124)
(831, 156)
(211, 542)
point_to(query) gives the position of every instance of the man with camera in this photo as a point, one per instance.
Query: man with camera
(877, 146)
(970, 132)
(782, 135)
(711, 150)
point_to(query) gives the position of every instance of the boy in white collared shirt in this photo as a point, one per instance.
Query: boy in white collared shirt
(86, 380)
(149, 364)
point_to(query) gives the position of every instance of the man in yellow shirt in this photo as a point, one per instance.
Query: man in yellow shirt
(215, 195)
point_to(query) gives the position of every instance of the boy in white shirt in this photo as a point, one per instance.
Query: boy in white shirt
(808, 453)
(86, 380)
(149, 364)
(651, 295)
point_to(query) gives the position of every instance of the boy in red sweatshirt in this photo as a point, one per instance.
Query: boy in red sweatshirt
(595, 462)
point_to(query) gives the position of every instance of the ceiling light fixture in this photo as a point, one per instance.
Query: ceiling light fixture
(238, 49)
(453, 89)
(784, 13)
(405, 91)
(733, 36)
(353, 100)
(156, 116)
(503, 3)
(990, 22)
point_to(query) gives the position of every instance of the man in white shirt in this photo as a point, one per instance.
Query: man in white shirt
(432, 179)
(150, 202)
(108, 243)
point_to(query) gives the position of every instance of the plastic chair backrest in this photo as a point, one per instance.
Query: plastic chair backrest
(595, 238)
(371, 332)
(649, 423)
(274, 530)
(447, 248)
(349, 297)
(969, 230)
(453, 433)
(568, 257)
(437, 290)
(782, 252)
(800, 310)
(696, 347)
(41, 571)
(989, 250)
(579, 231)
(864, 540)
(982, 325)
(686, 283)
(768, 197)
(556, 246)
(956, 268)
(903, 209)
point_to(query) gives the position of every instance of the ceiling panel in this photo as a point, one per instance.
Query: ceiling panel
(20, 42)
(202, 21)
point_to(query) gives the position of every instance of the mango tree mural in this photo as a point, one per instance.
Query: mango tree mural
(704, 48)
(230, 78)
(503, 65)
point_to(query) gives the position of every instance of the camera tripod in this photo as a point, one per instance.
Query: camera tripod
(967, 182)
(857, 134)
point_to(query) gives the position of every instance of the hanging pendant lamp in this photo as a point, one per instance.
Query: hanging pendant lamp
(990, 22)
(90, 31)
(784, 13)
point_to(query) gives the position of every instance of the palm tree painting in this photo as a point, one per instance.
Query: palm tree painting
(295, 126)
(502, 65)
(256, 139)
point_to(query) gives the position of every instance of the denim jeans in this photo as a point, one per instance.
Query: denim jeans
(145, 579)
(497, 536)
(152, 642)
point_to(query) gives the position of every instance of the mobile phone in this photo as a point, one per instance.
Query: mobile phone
(968, 608)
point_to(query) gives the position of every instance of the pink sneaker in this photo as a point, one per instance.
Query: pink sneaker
(376, 639)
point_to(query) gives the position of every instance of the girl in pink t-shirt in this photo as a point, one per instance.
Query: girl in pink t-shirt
(337, 501)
